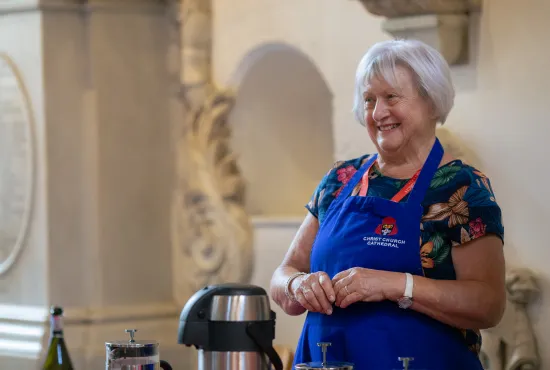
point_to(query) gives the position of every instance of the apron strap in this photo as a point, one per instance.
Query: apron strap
(348, 188)
(427, 173)
(422, 183)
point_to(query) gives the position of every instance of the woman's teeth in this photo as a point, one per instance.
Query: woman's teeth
(388, 127)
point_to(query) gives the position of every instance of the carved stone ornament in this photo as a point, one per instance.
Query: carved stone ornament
(516, 347)
(17, 165)
(442, 24)
(212, 232)
(522, 289)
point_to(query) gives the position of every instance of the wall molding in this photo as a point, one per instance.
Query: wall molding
(403, 8)
(85, 315)
(31, 6)
(21, 340)
(442, 24)
(25, 331)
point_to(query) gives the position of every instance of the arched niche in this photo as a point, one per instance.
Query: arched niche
(282, 129)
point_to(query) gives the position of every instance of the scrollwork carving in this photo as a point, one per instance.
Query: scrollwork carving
(212, 231)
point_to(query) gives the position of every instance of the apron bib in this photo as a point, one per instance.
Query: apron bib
(381, 234)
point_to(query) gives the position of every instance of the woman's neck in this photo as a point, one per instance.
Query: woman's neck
(406, 162)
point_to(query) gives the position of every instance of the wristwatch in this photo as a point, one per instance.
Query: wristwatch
(406, 300)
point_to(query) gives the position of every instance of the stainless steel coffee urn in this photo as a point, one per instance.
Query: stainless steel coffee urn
(134, 354)
(326, 365)
(232, 326)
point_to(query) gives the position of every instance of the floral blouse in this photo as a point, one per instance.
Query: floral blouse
(459, 206)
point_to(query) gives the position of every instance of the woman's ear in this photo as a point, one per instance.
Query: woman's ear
(432, 108)
(433, 111)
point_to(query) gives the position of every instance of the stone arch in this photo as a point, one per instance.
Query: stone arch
(282, 129)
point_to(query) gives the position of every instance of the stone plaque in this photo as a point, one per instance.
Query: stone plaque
(16, 163)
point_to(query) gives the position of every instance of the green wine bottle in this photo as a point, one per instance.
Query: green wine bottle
(57, 357)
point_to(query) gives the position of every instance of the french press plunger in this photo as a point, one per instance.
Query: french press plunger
(324, 364)
(134, 355)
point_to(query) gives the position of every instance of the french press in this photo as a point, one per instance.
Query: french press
(134, 355)
(324, 364)
(339, 365)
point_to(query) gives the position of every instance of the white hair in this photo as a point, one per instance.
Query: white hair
(428, 66)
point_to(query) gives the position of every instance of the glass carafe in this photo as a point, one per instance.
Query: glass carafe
(134, 355)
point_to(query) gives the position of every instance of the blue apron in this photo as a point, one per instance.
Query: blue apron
(380, 234)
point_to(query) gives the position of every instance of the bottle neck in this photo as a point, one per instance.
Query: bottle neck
(56, 326)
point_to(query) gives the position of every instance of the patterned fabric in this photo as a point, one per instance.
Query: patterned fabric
(459, 206)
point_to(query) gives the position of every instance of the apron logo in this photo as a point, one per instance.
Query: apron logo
(387, 227)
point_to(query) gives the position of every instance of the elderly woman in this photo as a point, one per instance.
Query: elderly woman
(401, 252)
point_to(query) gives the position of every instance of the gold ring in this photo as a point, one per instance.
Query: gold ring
(347, 291)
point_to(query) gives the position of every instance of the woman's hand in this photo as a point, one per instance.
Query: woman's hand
(365, 285)
(314, 292)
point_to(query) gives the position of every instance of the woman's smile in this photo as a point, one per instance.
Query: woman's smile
(388, 127)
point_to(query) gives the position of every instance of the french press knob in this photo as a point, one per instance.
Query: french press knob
(405, 361)
(132, 332)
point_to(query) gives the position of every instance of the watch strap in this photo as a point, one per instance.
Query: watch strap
(409, 285)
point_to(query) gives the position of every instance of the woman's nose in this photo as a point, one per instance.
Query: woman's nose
(380, 111)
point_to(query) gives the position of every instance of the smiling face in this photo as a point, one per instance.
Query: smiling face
(397, 118)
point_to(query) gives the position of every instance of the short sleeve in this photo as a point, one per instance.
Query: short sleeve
(331, 186)
(474, 211)
(313, 206)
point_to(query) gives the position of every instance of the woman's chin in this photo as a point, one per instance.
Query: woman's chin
(389, 144)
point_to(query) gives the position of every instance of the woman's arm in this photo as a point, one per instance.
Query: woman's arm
(296, 260)
(476, 299)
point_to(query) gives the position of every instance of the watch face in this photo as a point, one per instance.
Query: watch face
(405, 302)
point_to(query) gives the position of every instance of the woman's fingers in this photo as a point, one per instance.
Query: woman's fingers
(303, 301)
(316, 293)
(326, 284)
(322, 297)
(311, 298)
